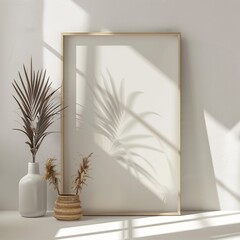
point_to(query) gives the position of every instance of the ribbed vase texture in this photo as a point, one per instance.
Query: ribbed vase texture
(32, 193)
(67, 207)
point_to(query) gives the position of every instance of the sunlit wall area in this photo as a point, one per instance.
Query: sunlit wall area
(210, 83)
(225, 153)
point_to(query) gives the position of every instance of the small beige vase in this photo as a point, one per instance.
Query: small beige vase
(67, 207)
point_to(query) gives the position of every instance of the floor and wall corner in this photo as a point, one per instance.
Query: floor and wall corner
(210, 83)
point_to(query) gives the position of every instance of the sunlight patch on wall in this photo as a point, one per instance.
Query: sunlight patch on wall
(225, 152)
(58, 17)
(217, 134)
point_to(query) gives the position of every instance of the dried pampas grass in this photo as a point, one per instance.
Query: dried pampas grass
(51, 175)
(82, 174)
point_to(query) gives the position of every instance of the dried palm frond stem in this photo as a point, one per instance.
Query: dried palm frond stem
(38, 107)
(51, 174)
(82, 174)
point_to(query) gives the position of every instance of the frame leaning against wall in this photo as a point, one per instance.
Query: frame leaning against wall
(123, 96)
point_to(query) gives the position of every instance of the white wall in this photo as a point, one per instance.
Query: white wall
(210, 83)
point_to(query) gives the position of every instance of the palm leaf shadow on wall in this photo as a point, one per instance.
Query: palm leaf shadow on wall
(114, 120)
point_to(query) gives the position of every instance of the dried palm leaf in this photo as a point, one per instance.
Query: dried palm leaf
(38, 105)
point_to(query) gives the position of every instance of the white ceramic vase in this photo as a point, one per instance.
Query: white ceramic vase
(32, 193)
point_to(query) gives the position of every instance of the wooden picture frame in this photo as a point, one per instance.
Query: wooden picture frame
(122, 92)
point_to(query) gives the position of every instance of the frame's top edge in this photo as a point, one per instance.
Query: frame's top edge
(119, 33)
